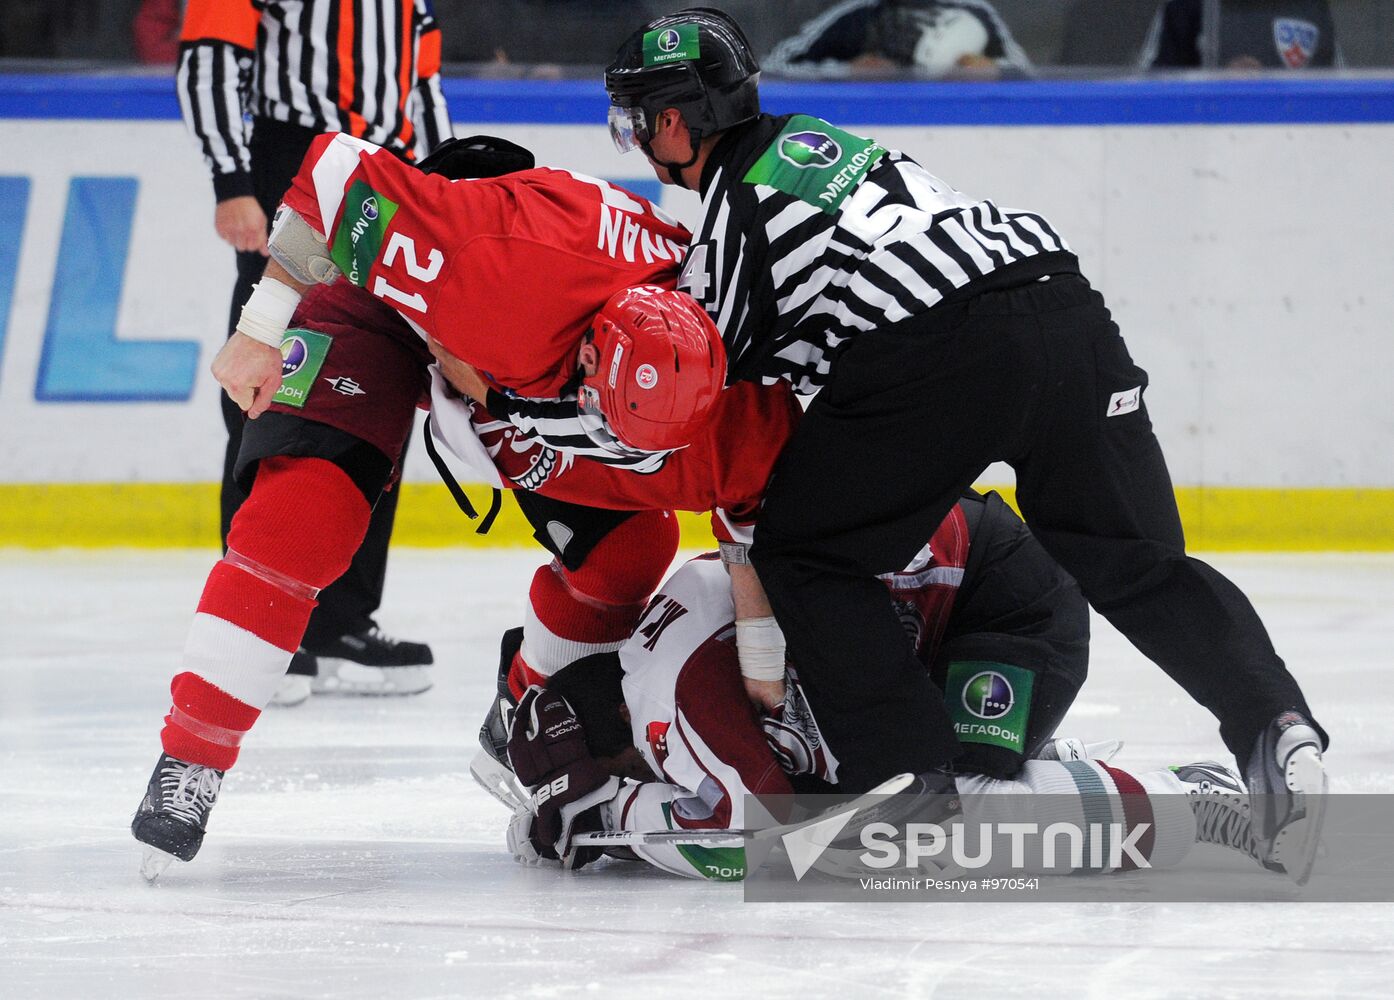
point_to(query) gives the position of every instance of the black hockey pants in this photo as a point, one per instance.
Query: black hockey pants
(1038, 376)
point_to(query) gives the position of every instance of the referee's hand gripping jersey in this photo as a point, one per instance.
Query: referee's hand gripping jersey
(944, 333)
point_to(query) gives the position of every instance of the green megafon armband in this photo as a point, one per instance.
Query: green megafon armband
(989, 702)
(302, 356)
(815, 162)
(363, 224)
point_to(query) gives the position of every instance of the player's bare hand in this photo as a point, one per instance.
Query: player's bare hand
(764, 695)
(241, 223)
(460, 374)
(250, 371)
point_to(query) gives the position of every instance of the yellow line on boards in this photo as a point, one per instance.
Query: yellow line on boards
(184, 515)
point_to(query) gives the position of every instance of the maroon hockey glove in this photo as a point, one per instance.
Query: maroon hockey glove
(547, 749)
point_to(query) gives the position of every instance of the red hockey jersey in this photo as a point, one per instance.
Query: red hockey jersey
(506, 272)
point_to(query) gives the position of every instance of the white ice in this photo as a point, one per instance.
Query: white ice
(351, 855)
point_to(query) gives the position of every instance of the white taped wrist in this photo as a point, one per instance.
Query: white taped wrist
(760, 646)
(268, 311)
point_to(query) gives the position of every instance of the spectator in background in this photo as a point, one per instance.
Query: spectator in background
(534, 38)
(1242, 34)
(938, 38)
(28, 29)
(155, 31)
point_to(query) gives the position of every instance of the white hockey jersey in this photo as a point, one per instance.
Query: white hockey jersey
(696, 729)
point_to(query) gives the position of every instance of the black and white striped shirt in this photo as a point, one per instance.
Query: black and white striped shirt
(370, 68)
(810, 236)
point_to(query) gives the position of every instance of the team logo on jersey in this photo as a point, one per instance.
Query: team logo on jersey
(646, 377)
(370, 209)
(1296, 41)
(293, 355)
(810, 149)
(347, 386)
(988, 695)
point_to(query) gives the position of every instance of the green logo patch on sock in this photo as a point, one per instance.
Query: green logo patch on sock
(302, 355)
(989, 702)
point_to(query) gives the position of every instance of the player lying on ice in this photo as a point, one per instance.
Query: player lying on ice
(357, 369)
(661, 736)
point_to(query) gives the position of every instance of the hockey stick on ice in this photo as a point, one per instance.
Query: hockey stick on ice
(627, 838)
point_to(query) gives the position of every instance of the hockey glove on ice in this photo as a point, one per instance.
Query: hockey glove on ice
(547, 749)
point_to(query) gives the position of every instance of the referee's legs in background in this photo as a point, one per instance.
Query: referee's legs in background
(343, 649)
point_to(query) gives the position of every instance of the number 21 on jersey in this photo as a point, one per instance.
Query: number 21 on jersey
(400, 245)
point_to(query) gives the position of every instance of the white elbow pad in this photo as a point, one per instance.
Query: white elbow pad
(304, 253)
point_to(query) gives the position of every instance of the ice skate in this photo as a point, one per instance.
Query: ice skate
(296, 686)
(1221, 806)
(490, 766)
(1287, 792)
(173, 816)
(371, 663)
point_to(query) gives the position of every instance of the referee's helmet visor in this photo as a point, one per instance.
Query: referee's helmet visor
(628, 128)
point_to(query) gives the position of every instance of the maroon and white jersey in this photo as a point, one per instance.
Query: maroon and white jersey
(708, 749)
(695, 726)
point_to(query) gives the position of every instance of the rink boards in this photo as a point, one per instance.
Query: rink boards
(1241, 233)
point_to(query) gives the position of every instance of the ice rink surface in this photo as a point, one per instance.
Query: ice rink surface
(351, 855)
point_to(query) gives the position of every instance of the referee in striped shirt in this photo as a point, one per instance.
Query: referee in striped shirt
(298, 68)
(941, 333)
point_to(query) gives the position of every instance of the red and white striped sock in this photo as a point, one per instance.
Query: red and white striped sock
(294, 535)
(594, 609)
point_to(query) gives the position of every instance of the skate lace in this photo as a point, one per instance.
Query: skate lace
(1224, 819)
(189, 790)
(379, 635)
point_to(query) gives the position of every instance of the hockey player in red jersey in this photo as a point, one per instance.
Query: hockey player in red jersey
(324, 443)
(660, 737)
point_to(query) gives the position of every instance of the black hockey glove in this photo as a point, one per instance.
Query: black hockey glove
(547, 749)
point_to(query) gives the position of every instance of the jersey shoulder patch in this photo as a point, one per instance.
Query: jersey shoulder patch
(815, 162)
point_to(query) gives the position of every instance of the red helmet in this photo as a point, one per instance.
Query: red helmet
(659, 366)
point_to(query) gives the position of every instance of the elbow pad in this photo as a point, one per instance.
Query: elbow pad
(304, 253)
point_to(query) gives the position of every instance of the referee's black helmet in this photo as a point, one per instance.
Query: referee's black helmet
(697, 61)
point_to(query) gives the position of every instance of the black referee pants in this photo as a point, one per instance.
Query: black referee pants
(347, 605)
(913, 415)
